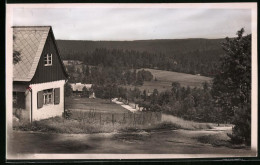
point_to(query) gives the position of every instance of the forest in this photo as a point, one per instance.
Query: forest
(193, 56)
(100, 75)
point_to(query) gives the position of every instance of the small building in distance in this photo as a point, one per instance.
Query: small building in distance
(77, 89)
(72, 62)
(39, 76)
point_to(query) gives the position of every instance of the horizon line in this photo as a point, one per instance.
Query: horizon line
(145, 39)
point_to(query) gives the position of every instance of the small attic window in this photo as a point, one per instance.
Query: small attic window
(48, 59)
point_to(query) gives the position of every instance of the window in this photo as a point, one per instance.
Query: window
(48, 96)
(48, 59)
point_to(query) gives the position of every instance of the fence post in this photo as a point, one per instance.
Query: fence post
(142, 121)
(134, 119)
(151, 117)
(113, 119)
(100, 120)
(124, 121)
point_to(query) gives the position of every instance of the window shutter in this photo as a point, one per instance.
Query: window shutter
(40, 99)
(56, 95)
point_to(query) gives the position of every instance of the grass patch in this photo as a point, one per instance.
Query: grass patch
(215, 140)
(150, 128)
(186, 124)
(165, 79)
(61, 125)
(98, 105)
(218, 140)
(142, 133)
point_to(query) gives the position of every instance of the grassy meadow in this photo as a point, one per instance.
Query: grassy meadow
(185, 124)
(80, 126)
(97, 105)
(165, 79)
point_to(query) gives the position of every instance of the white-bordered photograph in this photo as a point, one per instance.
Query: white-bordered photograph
(131, 81)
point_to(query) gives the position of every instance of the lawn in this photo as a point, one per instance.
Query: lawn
(165, 79)
(186, 124)
(97, 105)
(85, 126)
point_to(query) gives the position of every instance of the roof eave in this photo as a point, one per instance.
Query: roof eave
(21, 80)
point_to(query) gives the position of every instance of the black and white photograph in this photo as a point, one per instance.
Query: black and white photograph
(131, 81)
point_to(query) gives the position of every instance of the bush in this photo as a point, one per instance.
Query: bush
(17, 113)
(235, 139)
(67, 114)
(215, 140)
(68, 89)
(241, 133)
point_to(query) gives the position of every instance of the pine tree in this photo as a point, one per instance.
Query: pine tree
(232, 85)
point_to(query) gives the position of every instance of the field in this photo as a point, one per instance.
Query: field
(165, 79)
(97, 105)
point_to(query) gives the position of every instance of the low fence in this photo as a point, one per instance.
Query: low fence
(139, 118)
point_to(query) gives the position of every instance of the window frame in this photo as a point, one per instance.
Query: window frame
(48, 59)
(48, 96)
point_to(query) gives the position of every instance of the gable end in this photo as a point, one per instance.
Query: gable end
(54, 72)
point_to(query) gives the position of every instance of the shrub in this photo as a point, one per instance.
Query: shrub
(17, 113)
(68, 89)
(235, 139)
(67, 114)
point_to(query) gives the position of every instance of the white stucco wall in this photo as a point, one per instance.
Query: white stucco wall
(50, 110)
(27, 114)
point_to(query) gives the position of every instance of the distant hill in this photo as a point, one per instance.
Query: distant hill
(169, 46)
(193, 56)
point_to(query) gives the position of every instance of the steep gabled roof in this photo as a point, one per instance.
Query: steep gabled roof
(29, 41)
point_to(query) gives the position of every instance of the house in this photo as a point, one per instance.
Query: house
(40, 75)
(75, 65)
(77, 89)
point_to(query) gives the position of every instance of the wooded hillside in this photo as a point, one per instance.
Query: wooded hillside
(195, 56)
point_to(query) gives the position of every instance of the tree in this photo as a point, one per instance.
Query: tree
(16, 55)
(205, 85)
(232, 85)
(154, 96)
(85, 92)
(144, 95)
(139, 79)
(68, 89)
(87, 71)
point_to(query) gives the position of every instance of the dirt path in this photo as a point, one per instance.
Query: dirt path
(158, 142)
(128, 107)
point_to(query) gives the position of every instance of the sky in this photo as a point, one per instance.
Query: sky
(136, 23)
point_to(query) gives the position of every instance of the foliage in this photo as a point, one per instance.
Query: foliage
(194, 56)
(232, 85)
(85, 92)
(101, 75)
(68, 89)
(67, 114)
(16, 57)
